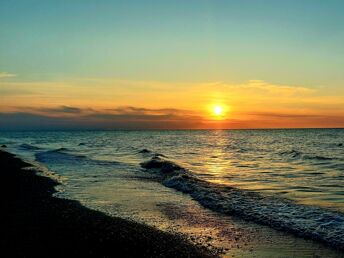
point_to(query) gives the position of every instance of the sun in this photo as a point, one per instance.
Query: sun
(218, 110)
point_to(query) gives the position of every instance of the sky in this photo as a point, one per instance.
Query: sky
(167, 64)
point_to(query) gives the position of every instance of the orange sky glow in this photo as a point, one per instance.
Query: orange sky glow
(113, 103)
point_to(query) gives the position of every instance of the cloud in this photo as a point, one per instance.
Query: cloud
(29, 121)
(278, 88)
(129, 110)
(157, 118)
(6, 75)
(294, 120)
(130, 117)
(177, 86)
(118, 118)
(284, 115)
(263, 87)
(61, 109)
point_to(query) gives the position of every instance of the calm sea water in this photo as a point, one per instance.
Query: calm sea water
(294, 174)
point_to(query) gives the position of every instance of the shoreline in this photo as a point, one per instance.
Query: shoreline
(252, 204)
(38, 224)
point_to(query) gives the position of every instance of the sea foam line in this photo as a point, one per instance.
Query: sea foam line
(282, 214)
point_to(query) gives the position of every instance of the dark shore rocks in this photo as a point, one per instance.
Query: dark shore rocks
(3, 146)
(35, 224)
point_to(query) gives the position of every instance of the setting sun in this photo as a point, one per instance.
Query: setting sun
(218, 110)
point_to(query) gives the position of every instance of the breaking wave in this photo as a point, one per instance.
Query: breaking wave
(28, 147)
(282, 214)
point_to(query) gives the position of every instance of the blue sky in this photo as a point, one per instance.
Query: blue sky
(296, 42)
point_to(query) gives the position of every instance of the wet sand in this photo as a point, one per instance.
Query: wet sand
(36, 224)
(141, 199)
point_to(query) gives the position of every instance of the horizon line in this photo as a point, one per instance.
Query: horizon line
(178, 129)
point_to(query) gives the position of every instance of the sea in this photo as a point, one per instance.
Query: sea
(242, 193)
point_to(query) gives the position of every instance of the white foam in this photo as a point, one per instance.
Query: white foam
(306, 221)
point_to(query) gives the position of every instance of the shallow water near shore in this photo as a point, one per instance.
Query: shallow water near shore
(102, 170)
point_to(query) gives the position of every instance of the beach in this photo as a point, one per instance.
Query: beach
(36, 224)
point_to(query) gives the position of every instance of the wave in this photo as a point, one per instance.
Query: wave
(28, 147)
(151, 153)
(64, 156)
(145, 151)
(316, 157)
(6, 142)
(58, 155)
(61, 150)
(291, 153)
(299, 155)
(165, 166)
(282, 214)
